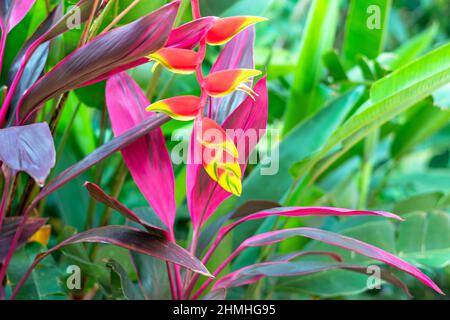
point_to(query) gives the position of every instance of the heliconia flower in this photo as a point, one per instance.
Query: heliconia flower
(222, 83)
(219, 155)
(225, 29)
(183, 108)
(181, 61)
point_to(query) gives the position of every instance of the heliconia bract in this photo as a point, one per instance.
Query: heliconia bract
(219, 155)
(225, 29)
(222, 83)
(183, 108)
(181, 61)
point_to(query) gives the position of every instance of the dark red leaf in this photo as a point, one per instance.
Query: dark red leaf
(9, 228)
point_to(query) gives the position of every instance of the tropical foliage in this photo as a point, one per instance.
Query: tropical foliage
(129, 132)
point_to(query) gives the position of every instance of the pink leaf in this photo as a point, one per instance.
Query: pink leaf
(254, 273)
(203, 194)
(148, 158)
(341, 242)
(303, 212)
(13, 11)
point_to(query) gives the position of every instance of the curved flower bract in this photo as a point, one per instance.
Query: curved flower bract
(181, 61)
(219, 155)
(183, 108)
(222, 83)
(225, 29)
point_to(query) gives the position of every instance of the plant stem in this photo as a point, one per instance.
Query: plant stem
(85, 34)
(217, 272)
(154, 83)
(6, 188)
(2, 46)
(173, 290)
(121, 15)
(370, 145)
(27, 56)
(98, 170)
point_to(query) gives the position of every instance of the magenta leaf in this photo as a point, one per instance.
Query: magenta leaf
(9, 228)
(29, 149)
(105, 53)
(35, 66)
(340, 241)
(248, 208)
(134, 240)
(303, 212)
(203, 194)
(13, 11)
(102, 153)
(98, 194)
(147, 158)
(254, 273)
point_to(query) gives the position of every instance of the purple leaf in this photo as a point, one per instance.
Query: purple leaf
(130, 239)
(105, 53)
(9, 228)
(102, 153)
(52, 27)
(98, 194)
(303, 212)
(147, 158)
(29, 149)
(210, 232)
(36, 64)
(190, 34)
(13, 11)
(218, 294)
(138, 241)
(237, 54)
(337, 240)
(203, 194)
(255, 273)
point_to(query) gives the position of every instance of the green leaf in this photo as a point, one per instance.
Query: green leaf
(328, 284)
(305, 140)
(425, 238)
(424, 123)
(367, 26)
(390, 97)
(414, 47)
(317, 39)
(122, 285)
(44, 282)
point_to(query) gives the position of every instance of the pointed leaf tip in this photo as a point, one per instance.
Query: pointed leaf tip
(225, 29)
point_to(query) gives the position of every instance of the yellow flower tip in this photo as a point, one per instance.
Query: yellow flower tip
(179, 61)
(226, 28)
(183, 108)
(42, 236)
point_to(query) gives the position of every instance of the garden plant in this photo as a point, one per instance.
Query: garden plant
(209, 149)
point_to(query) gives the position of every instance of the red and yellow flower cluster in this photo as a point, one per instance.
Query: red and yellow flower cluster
(219, 154)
